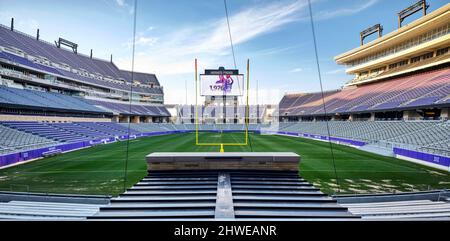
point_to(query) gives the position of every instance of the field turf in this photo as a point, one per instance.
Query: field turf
(100, 169)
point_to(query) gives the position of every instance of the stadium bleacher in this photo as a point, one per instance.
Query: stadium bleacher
(12, 140)
(401, 210)
(135, 109)
(24, 210)
(422, 89)
(401, 206)
(33, 98)
(212, 114)
(429, 136)
(111, 129)
(68, 132)
(49, 131)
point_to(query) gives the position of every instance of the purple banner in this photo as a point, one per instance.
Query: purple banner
(351, 142)
(348, 141)
(431, 158)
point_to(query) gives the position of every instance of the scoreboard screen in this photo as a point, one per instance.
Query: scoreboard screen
(221, 84)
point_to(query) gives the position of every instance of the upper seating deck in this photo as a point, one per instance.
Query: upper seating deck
(79, 78)
(57, 55)
(39, 48)
(418, 90)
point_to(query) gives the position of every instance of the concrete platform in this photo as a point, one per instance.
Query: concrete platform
(281, 161)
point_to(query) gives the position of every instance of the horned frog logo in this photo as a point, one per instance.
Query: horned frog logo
(226, 83)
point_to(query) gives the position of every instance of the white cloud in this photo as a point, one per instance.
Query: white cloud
(335, 71)
(174, 52)
(296, 70)
(120, 2)
(146, 41)
(276, 50)
(141, 41)
(249, 24)
(327, 14)
(125, 5)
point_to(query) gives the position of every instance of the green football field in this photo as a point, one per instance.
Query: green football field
(221, 137)
(100, 169)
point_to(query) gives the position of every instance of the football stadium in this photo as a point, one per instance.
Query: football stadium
(85, 138)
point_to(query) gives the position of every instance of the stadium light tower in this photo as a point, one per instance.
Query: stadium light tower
(67, 43)
(377, 28)
(420, 5)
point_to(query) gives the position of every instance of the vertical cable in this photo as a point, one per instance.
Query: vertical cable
(235, 67)
(131, 97)
(257, 103)
(234, 59)
(231, 38)
(185, 91)
(229, 32)
(321, 91)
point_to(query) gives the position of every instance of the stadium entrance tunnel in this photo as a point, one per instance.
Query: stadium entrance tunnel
(223, 186)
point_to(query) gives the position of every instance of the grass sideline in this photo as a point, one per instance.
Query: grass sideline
(100, 169)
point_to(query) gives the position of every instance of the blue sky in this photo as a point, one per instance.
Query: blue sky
(274, 35)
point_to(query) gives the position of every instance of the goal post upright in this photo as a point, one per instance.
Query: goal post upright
(247, 105)
(196, 105)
